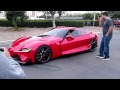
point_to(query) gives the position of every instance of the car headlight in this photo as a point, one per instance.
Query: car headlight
(24, 50)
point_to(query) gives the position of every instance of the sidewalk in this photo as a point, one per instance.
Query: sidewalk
(6, 34)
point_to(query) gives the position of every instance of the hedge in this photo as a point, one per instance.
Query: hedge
(5, 23)
(37, 23)
(47, 23)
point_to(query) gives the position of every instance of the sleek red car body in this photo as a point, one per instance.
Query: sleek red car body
(55, 43)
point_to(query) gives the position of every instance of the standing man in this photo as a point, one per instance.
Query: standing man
(107, 28)
(9, 68)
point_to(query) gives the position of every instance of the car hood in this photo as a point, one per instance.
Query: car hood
(28, 40)
(42, 39)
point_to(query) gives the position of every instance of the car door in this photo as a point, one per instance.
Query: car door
(80, 40)
(70, 44)
(84, 39)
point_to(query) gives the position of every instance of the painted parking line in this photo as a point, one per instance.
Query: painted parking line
(6, 41)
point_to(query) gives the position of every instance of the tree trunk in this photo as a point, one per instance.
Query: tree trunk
(14, 22)
(53, 21)
(46, 16)
(15, 26)
(59, 17)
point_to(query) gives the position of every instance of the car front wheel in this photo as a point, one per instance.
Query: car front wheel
(43, 54)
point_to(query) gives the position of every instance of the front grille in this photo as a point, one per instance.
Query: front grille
(16, 58)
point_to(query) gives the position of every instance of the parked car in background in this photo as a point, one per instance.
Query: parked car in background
(116, 22)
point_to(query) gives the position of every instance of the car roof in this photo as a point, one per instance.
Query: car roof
(70, 28)
(66, 28)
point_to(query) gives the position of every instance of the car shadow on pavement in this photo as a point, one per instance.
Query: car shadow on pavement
(67, 57)
(60, 58)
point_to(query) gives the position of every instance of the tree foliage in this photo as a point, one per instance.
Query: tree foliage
(114, 14)
(90, 16)
(60, 13)
(46, 14)
(16, 17)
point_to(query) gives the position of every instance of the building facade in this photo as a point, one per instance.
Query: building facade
(31, 15)
(2, 15)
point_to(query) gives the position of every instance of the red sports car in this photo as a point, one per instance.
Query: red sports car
(54, 43)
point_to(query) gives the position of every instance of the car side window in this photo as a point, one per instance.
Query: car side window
(74, 33)
(79, 32)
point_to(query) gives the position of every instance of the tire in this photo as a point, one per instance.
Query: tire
(43, 54)
(93, 45)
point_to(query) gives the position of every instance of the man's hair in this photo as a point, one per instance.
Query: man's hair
(105, 13)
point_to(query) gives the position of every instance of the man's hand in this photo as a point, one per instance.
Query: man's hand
(100, 22)
(109, 31)
(6, 52)
(101, 18)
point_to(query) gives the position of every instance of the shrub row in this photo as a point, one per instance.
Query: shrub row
(5, 23)
(48, 23)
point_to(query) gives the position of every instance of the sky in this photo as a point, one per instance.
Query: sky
(72, 12)
(77, 12)
(82, 12)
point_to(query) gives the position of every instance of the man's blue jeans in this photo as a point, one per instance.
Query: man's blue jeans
(104, 46)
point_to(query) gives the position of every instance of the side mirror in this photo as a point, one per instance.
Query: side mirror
(69, 37)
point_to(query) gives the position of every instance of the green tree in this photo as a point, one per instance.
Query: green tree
(90, 16)
(97, 15)
(87, 16)
(110, 13)
(114, 14)
(45, 14)
(16, 17)
(60, 13)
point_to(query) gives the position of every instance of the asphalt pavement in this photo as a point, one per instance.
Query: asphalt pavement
(79, 66)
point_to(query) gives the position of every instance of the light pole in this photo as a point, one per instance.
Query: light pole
(94, 19)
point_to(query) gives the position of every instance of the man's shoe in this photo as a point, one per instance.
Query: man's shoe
(105, 58)
(98, 56)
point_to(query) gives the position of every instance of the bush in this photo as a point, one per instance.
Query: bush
(37, 23)
(96, 23)
(90, 23)
(48, 23)
(5, 23)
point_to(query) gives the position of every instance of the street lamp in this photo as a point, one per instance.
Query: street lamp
(94, 19)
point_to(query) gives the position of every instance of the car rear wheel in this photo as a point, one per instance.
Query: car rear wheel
(43, 54)
(93, 45)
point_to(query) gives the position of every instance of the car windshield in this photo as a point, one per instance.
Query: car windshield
(56, 32)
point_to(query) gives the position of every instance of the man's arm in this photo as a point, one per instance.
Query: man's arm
(9, 68)
(100, 22)
(110, 23)
(110, 30)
